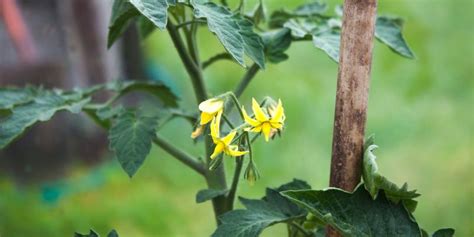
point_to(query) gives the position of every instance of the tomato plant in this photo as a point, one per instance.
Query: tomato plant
(373, 207)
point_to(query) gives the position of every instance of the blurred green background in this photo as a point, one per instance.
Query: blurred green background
(420, 110)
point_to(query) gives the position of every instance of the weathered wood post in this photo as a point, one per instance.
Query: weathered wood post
(355, 61)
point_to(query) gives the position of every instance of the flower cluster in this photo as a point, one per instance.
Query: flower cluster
(268, 119)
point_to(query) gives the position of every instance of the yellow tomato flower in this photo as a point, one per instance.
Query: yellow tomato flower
(262, 123)
(223, 144)
(210, 108)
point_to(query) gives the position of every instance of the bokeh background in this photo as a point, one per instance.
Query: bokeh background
(421, 112)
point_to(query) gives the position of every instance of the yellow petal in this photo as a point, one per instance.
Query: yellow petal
(197, 132)
(228, 139)
(211, 106)
(279, 113)
(215, 126)
(233, 151)
(259, 114)
(276, 125)
(206, 118)
(256, 129)
(252, 122)
(218, 150)
(266, 129)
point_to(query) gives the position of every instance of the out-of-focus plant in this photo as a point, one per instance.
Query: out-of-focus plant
(251, 39)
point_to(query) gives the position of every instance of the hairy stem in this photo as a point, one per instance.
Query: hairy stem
(215, 179)
(191, 67)
(180, 155)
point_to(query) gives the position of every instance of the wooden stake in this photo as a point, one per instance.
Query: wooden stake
(355, 61)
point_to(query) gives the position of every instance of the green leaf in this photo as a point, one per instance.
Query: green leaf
(271, 209)
(374, 182)
(322, 35)
(234, 32)
(389, 31)
(276, 43)
(329, 43)
(311, 9)
(447, 232)
(40, 109)
(113, 233)
(92, 233)
(208, 194)
(356, 214)
(145, 27)
(10, 97)
(157, 89)
(259, 13)
(155, 10)
(130, 138)
(122, 15)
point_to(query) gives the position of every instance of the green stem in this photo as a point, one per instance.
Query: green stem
(216, 58)
(246, 79)
(180, 155)
(301, 229)
(224, 2)
(216, 178)
(189, 23)
(235, 182)
(190, 66)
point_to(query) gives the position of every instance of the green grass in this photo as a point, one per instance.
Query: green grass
(420, 110)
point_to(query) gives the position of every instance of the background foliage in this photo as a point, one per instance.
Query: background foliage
(420, 110)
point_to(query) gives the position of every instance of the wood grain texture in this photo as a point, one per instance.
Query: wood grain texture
(353, 81)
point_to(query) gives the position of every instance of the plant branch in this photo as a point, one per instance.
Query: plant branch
(180, 155)
(195, 21)
(191, 67)
(301, 229)
(246, 79)
(215, 58)
(235, 182)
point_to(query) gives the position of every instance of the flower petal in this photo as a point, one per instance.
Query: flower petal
(228, 139)
(215, 126)
(252, 122)
(218, 150)
(211, 106)
(206, 118)
(278, 114)
(266, 130)
(233, 151)
(259, 114)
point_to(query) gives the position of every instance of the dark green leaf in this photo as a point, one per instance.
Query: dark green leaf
(155, 10)
(374, 182)
(113, 233)
(322, 35)
(276, 43)
(10, 97)
(389, 31)
(40, 109)
(328, 42)
(278, 18)
(122, 15)
(130, 138)
(145, 27)
(271, 209)
(311, 9)
(357, 214)
(109, 112)
(234, 32)
(259, 14)
(447, 232)
(157, 89)
(208, 194)
(91, 234)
